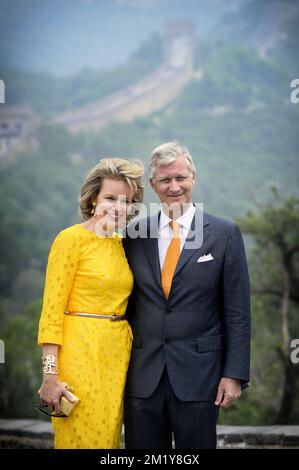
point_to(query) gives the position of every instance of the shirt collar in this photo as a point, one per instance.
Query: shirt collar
(185, 219)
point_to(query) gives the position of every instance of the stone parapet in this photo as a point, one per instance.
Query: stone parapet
(36, 434)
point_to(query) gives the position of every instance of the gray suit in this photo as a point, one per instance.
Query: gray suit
(202, 332)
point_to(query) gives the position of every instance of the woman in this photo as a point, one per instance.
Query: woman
(88, 280)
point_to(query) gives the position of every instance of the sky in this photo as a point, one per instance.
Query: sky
(62, 36)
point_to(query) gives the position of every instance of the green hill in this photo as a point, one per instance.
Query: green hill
(48, 95)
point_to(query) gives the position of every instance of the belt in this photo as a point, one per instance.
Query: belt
(113, 317)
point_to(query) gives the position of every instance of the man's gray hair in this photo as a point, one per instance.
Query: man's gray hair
(167, 153)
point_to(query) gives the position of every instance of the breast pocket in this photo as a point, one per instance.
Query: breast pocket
(206, 274)
(212, 264)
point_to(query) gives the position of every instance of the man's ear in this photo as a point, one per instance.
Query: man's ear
(151, 183)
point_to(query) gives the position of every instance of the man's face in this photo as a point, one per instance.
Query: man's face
(174, 183)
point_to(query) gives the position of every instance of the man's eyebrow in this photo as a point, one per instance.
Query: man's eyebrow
(169, 177)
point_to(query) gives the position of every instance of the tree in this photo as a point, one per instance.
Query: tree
(275, 271)
(20, 376)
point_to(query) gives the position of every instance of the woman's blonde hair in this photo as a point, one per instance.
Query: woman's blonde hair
(130, 171)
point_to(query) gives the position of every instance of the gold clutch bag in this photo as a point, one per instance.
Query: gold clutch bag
(66, 406)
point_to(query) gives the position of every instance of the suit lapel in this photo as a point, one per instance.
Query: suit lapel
(151, 246)
(200, 220)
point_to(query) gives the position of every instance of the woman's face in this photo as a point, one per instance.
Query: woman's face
(112, 204)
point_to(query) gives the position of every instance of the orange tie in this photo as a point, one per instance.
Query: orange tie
(171, 258)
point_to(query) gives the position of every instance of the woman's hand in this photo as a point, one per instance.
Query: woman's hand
(51, 392)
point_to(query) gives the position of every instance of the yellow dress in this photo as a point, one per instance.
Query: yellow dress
(88, 273)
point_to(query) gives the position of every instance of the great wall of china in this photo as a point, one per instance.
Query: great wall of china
(145, 96)
(149, 94)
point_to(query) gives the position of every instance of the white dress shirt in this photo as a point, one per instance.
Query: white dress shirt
(165, 232)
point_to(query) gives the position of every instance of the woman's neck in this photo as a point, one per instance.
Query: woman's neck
(97, 227)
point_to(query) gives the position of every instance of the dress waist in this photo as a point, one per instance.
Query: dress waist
(113, 317)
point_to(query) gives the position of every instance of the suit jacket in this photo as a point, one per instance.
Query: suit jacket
(202, 331)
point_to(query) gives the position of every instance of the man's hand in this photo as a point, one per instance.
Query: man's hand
(229, 390)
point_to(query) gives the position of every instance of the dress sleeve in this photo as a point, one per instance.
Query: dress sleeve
(62, 266)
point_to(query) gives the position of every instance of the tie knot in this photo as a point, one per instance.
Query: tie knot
(175, 226)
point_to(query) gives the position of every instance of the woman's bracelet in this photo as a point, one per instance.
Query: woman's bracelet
(49, 363)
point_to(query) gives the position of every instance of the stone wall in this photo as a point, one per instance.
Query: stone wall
(34, 434)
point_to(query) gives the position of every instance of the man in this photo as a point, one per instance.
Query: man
(189, 312)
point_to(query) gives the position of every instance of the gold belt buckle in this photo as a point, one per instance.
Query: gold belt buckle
(114, 317)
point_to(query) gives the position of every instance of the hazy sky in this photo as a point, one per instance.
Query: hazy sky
(62, 36)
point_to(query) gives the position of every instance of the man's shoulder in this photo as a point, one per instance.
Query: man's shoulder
(219, 221)
(220, 227)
